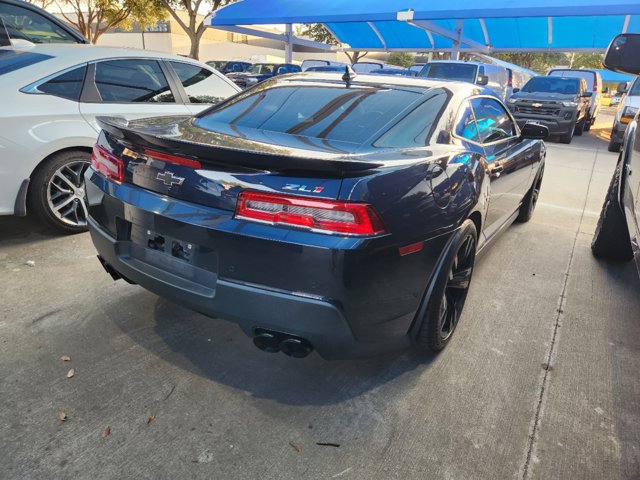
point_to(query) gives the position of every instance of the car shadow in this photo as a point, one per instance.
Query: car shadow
(219, 351)
(27, 229)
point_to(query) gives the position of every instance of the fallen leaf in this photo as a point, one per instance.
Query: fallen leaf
(106, 431)
(65, 358)
(71, 373)
(151, 418)
(297, 446)
(62, 416)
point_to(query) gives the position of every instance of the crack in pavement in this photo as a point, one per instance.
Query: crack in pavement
(533, 436)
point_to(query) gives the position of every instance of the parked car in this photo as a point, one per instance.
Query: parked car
(260, 72)
(27, 22)
(314, 215)
(313, 63)
(594, 85)
(617, 234)
(51, 95)
(493, 77)
(229, 66)
(560, 103)
(627, 109)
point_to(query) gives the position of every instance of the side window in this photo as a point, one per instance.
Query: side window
(282, 70)
(202, 85)
(67, 85)
(494, 123)
(135, 80)
(466, 127)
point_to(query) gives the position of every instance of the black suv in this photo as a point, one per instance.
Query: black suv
(560, 103)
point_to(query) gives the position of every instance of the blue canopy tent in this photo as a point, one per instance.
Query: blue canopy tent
(455, 25)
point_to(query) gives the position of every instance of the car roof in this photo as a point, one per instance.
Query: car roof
(463, 88)
(79, 53)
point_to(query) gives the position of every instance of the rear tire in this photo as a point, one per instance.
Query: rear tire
(614, 144)
(449, 293)
(580, 126)
(590, 121)
(530, 200)
(567, 137)
(611, 239)
(57, 191)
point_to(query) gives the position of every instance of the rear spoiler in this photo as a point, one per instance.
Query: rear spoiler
(118, 128)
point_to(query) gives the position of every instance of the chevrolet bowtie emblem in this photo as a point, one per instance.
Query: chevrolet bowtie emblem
(168, 178)
(537, 105)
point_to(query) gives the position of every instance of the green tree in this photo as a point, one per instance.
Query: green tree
(194, 27)
(402, 59)
(537, 61)
(94, 17)
(587, 60)
(319, 33)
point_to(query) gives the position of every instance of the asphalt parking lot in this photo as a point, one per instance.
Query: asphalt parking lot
(540, 381)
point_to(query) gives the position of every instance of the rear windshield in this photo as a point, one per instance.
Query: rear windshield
(561, 85)
(334, 113)
(588, 76)
(450, 71)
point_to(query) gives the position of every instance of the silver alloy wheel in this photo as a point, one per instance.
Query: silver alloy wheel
(66, 193)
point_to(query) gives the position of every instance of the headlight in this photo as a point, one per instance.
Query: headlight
(570, 104)
(512, 100)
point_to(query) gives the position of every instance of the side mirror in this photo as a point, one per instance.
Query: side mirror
(623, 55)
(482, 80)
(587, 94)
(534, 131)
(516, 90)
(622, 87)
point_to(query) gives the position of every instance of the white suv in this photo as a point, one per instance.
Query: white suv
(51, 95)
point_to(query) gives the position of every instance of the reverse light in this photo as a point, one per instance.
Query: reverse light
(318, 215)
(107, 164)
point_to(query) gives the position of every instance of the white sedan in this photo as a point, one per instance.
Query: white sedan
(51, 95)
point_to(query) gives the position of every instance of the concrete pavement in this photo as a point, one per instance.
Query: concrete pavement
(540, 381)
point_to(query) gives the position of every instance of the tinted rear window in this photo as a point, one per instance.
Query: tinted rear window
(66, 85)
(588, 76)
(450, 71)
(333, 113)
(567, 86)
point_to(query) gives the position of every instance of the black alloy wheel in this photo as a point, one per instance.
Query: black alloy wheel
(456, 288)
(441, 314)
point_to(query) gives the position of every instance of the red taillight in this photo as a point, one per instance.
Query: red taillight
(324, 216)
(595, 85)
(187, 162)
(106, 163)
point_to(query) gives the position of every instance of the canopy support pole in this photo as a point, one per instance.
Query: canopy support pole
(455, 55)
(288, 53)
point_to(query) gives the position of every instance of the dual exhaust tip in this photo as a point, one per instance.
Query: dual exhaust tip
(275, 342)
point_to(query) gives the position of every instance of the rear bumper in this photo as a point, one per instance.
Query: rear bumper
(249, 306)
(353, 302)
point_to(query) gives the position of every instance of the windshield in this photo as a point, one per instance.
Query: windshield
(348, 115)
(588, 76)
(262, 68)
(25, 24)
(450, 71)
(562, 85)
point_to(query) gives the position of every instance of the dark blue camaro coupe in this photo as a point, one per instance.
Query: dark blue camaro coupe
(317, 211)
